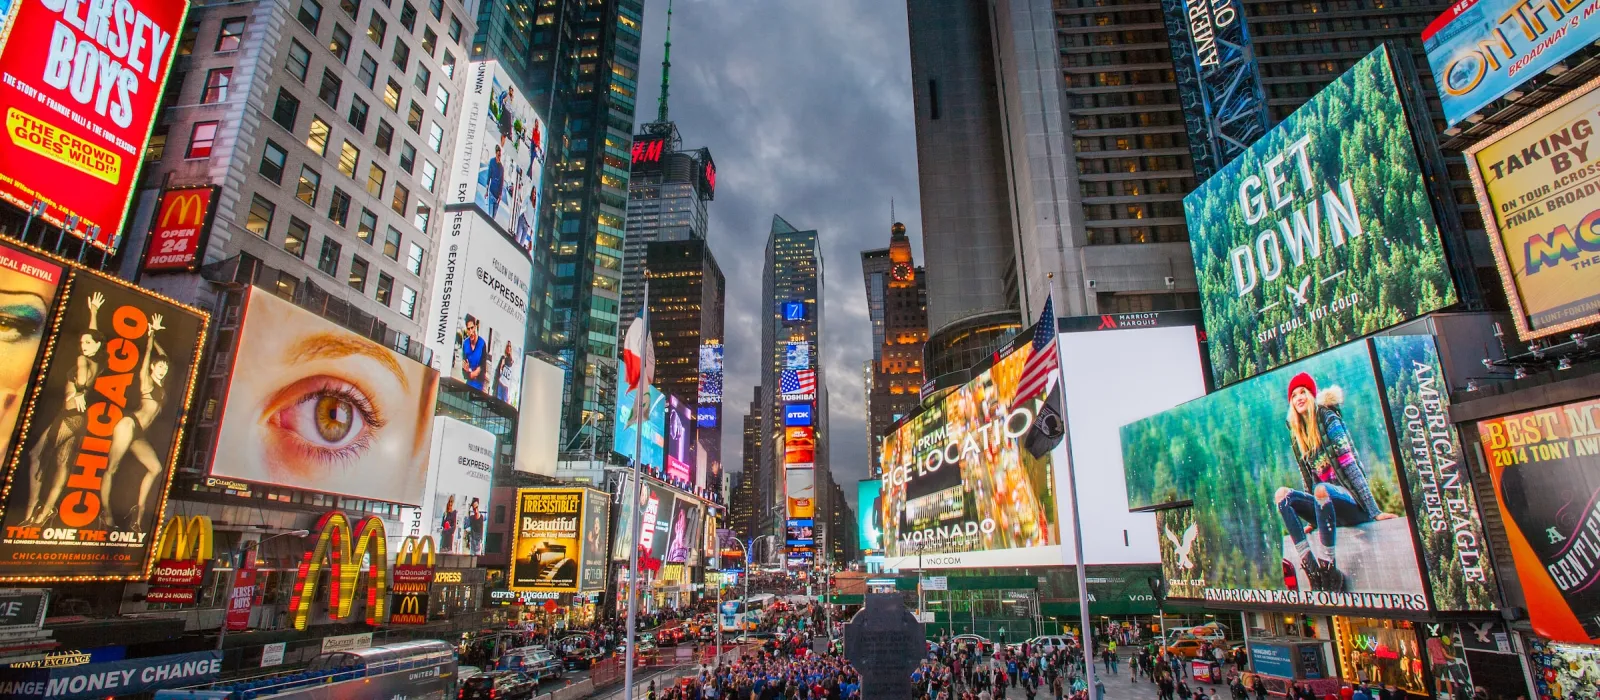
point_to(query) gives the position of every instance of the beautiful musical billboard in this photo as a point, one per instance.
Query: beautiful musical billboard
(98, 442)
(547, 551)
(1479, 50)
(1320, 233)
(499, 156)
(1538, 189)
(478, 321)
(315, 406)
(82, 81)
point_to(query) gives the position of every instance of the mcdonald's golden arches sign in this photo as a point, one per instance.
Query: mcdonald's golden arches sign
(179, 229)
(181, 557)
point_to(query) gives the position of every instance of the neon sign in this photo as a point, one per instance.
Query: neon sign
(648, 151)
(333, 543)
(711, 177)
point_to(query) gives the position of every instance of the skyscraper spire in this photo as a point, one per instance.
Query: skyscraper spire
(666, 70)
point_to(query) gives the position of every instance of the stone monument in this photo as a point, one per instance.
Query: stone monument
(885, 643)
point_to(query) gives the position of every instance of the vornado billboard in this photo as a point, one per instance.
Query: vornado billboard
(479, 316)
(1320, 233)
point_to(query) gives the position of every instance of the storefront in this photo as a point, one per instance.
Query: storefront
(456, 591)
(1380, 652)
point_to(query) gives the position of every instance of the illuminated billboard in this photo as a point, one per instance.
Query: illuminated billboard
(478, 320)
(1536, 184)
(314, 406)
(1479, 50)
(800, 532)
(99, 438)
(797, 356)
(539, 416)
(799, 446)
(680, 458)
(653, 443)
(869, 504)
(455, 501)
(1320, 233)
(800, 490)
(499, 154)
(711, 361)
(548, 550)
(1219, 84)
(28, 284)
(179, 229)
(794, 312)
(683, 532)
(797, 415)
(647, 524)
(78, 100)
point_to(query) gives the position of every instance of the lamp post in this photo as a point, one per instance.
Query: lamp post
(744, 604)
(222, 632)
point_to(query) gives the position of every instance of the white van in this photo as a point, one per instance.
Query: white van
(1052, 642)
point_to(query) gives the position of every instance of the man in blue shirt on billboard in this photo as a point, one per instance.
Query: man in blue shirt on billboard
(473, 348)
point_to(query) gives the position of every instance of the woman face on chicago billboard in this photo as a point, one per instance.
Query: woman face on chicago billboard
(25, 302)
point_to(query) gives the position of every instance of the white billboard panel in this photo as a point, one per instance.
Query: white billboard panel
(499, 155)
(479, 316)
(455, 504)
(539, 417)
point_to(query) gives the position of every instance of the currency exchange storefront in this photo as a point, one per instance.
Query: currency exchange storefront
(112, 678)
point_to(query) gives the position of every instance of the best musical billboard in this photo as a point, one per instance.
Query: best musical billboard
(28, 286)
(179, 229)
(1535, 180)
(455, 502)
(653, 442)
(499, 154)
(88, 475)
(312, 405)
(548, 547)
(1321, 232)
(80, 89)
(1479, 50)
(478, 321)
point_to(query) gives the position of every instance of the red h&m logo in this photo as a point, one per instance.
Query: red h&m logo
(647, 151)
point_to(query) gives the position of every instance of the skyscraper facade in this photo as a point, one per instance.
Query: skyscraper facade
(668, 196)
(897, 309)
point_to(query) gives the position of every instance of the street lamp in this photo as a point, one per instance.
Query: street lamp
(222, 632)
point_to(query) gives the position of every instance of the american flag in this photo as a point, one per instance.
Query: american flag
(797, 382)
(1036, 372)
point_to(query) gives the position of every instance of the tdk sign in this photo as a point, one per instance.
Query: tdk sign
(797, 415)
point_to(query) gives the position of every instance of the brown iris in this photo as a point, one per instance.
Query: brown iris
(335, 418)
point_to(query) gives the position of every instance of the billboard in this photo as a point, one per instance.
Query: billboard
(797, 384)
(539, 416)
(711, 356)
(800, 532)
(1479, 50)
(683, 531)
(798, 356)
(794, 312)
(1544, 464)
(28, 286)
(478, 321)
(869, 503)
(99, 437)
(314, 406)
(78, 101)
(596, 538)
(708, 456)
(647, 523)
(455, 501)
(800, 489)
(179, 229)
(653, 445)
(1295, 484)
(799, 446)
(680, 462)
(1224, 106)
(548, 547)
(1320, 233)
(499, 154)
(797, 415)
(1535, 179)
(705, 417)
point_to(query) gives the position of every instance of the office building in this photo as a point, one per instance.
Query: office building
(667, 201)
(897, 308)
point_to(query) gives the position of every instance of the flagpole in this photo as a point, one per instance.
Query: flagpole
(633, 556)
(1086, 634)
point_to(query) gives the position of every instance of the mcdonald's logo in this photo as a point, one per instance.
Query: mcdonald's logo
(188, 207)
(177, 233)
(334, 550)
(413, 565)
(409, 609)
(181, 556)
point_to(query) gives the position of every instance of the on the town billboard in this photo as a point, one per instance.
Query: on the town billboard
(1479, 50)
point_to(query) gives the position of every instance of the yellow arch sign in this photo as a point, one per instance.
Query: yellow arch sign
(334, 545)
(185, 539)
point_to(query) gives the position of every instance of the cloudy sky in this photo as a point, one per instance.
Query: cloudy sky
(806, 107)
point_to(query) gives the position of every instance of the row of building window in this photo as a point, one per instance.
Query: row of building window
(259, 220)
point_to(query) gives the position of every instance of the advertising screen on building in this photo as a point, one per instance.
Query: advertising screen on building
(869, 504)
(800, 532)
(1479, 50)
(1224, 106)
(548, 546)
(708, 456)
(1538, 179)
(646, 524)
(680, 464)
(1320, 233)
(539, 416)
(1543, 464)
(653, 445)
(499, 154)
(797, 415)
(706, 417)
(101, 431)
(711, 356)
(78, 99)
(799, 446)
(596, 537)
(800, 488)
(684, 530)
(314, 406)
(798, 356)
(179, 230)
(455, 503)
(478, 320)
(794, 312)
(29, 284)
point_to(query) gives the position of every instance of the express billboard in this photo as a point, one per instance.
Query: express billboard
(1320, 233)
(653, 441)
(547, 550)
(179, 229)
(499, 156)
(455, 500)
(1479, 50)
(80, 92)
(99, 437)
(1541, 197)
(1224, 106)
(869, 533)
(478, 321)
(312, 405)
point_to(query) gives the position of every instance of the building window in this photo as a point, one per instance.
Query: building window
(259, 220)
(408, 17)
(317, 136)
(391, 95)
(273, 158)
(285, 109)
(358, 113)
(201, 138)
(366, 226)
(455, 29)
(331, 85)
(400, 198)
(437, 8)
(358, 274)
(391, 244)
(385, 288)
(413, 115)
(310, 182)
(385, 136)
(299, 61)
(430, 175)
(339, 207)
(339, 43)
(377, 29)
(375, 176)
(328, 258)
(449, 64)
(414, 259)
(294, 240)
(216, 89)
(368, 70)
(436, 137)
(408, 156)
(408, 302)
(349, 156)
(423, 79)
(430, 40)
(231, 35)
(156, 149)
(420, 220)
(310, 15)
(401, 58)
(441, 99)
(350, 7)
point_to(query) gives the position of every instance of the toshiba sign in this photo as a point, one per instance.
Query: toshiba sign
(178, 231)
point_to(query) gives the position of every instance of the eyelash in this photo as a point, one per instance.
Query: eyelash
(372, 421)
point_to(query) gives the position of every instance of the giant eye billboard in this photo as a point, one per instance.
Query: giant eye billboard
(314, 406)
(499, 155)
(1320, 233)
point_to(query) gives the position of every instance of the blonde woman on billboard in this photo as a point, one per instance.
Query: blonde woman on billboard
(70, 424)
(129, 433)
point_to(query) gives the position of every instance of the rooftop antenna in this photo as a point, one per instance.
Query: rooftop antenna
(666, 69)
(891, 211)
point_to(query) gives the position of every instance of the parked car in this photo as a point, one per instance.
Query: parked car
(1052, 642)
(579, 659)
(982, 644)
(498, 685)
(1186, 648)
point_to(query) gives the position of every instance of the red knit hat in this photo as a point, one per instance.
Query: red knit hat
(1302, 381)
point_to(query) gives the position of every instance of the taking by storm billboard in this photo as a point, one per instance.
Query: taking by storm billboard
(1224, 106)
(1321, 232)
(1540, 188)
(499, 155)
(314, 406)
(87, 478)
(548, 548)
(1479, 50)
(80, 87)
(478, 320)
(455, 502)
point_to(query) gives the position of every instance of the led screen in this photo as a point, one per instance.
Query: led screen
(653, 444)
(478, 321)
(499, 154)
(1480, 50)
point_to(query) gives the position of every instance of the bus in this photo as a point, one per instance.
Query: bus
(732, 608)
(418, 670)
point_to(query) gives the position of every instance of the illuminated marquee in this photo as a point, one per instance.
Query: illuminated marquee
(334, 544)
(178, 234)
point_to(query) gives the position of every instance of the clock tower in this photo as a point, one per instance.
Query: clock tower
(898, 310)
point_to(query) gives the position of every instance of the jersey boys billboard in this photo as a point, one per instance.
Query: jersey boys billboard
(1322, 232)
(79, 87)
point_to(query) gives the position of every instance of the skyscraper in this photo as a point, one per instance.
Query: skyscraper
(897, 309)
(667, 201)
(687, 299)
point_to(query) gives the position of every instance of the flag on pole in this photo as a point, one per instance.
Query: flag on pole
(1036, 373)
(639, 355)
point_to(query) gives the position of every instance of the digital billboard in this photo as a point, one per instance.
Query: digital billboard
(794, 312)
(800, 532)
(314, 406)
(539, 416)
(797, 415)
(1543, 464)
(98, 440)
(708, 456)
(800, 490)
(1320, 233)
(1219, 85)
(799, 446)
(549, 539)
(798, 356)
(1538, 192)
(653, 445)
(179, 229)
(596, 538)
(646, 524)
(683, 531)
(705, 417)
(478, 321)
(499, 154)
(797, 384)
(79, 95)
(1479, 50)
(869, 504)
(680, 462)
(711, 361)
(455, 501)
